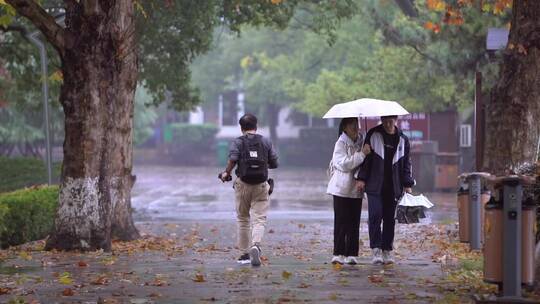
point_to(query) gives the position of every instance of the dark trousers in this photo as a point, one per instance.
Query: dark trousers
(346, 225)
(381, 208)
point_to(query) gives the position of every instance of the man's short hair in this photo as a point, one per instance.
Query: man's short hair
(389, 116)
(248, 122)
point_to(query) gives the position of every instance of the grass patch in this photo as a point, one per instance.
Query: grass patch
(17, 173)
(475, 264)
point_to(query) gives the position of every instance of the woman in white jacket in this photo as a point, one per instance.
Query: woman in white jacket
(347, 157)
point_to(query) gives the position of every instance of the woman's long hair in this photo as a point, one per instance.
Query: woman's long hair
(344, 122)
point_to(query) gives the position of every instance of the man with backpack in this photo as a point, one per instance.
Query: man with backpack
(253, 155)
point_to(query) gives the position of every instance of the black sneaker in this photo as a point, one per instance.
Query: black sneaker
(255, 255)
(243, 259)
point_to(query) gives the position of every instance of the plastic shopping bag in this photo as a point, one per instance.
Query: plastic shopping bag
(412, 209)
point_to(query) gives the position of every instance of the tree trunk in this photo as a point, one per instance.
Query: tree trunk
(272, 111)
(512, 116)
(99, 65)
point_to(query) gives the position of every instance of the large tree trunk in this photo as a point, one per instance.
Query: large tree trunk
(99, 65)
(513, 114)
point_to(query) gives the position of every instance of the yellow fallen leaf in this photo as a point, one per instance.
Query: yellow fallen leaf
(286, 275)
(65, 278)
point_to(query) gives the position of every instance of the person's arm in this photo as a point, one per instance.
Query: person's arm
(234, 155)
(225, 174)
(407, 179)
(344, 162)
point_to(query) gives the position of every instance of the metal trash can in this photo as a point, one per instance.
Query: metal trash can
(222, 153)
(463, 211)
(463, 214)
(493, 242)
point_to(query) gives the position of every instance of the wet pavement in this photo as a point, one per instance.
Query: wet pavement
(188, 252)
(194, 193)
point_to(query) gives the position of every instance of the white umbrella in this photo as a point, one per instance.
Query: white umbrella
(365, 107)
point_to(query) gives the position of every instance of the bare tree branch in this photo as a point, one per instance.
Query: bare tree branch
(14, 28)
(54, 33)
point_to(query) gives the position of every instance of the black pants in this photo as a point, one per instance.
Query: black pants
(346, 225)
(381, 208)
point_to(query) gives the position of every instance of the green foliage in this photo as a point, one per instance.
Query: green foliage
(200, 135)
(27, 215)
(18, 173)
(144, 117)
(377, 53)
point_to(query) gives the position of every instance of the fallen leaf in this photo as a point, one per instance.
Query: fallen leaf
(83, 264)
(100, 280)
(68, 292)
(65, 278)
(375, 279)
(5, 290)
(199, 278)
(286, 275)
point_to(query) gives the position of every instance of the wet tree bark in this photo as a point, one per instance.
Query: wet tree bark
(513, 113)
(512, 116)
(99, 65)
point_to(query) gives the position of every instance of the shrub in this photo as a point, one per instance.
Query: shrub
(20, 172)
(193, 144)
(27, 215)
(186, 134)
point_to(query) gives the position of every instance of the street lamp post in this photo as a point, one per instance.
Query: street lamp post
(45, 91)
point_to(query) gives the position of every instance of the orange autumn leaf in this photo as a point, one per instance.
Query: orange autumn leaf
(436, 5)
(432, 27)
(276, 1)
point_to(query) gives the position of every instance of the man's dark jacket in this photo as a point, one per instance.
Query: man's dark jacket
(372, 169)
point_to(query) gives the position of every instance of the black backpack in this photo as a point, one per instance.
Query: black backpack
(253, 162)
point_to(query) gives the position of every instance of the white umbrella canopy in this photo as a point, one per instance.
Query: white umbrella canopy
(366, 107)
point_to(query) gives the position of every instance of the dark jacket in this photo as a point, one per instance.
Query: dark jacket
(372, 170)
(236, 146)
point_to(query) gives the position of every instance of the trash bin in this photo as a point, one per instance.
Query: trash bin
(493, 242)
(528, 242)
(222, 153)
(463, 214)
(463, 211)
(493, 238)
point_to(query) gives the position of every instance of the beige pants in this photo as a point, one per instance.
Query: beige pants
(250, 199)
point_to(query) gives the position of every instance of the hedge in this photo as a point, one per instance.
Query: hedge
(27, 215)
(20, 172)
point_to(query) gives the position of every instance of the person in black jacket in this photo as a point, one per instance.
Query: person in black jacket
(384, 176)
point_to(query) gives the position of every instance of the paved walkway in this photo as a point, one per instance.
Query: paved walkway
(195, 262)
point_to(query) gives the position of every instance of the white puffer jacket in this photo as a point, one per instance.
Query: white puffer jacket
(345, 161)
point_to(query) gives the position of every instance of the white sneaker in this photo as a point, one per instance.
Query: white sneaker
(387, 257)
(377, 256)
(351, 260)
(243, 259)
(255, 255)
(338, 259)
